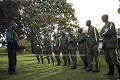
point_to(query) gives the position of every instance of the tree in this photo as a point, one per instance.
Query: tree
(46, 16)
(8, 10)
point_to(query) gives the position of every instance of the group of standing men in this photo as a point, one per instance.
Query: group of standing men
(68, 44)
(87, 45)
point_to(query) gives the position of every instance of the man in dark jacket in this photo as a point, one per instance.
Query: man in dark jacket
(56, 49)
(12, 44)
(48, 48)
(72, 50)
(92, 44)
(64, 47)
(108, 33)
(82, 47)
(37, 48)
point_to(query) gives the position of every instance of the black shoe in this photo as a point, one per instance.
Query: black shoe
(73, 67)
(12, 72)
(48, 62)
(68, 65)
(118, 72)
(89, 69)
(109, 73)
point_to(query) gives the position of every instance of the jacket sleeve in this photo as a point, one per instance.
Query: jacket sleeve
(82, 38)
(96, 35)
(16, 40)
(109, 31)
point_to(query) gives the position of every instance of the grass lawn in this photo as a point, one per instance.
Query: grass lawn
(28, 69)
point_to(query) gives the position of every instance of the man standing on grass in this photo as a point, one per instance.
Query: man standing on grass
(108, 33)
(72, 50)
(48, 48)
(12, 44)
(37, 48)
(92, 44)
(56, 49)
(64, 47)
(82, 47)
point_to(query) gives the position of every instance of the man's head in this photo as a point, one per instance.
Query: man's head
(13, 24)
(104, 18)
(80, 30)
(88, 23)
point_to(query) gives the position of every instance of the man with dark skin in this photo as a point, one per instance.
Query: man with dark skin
(72, 50)
(56, 49)
(108, 33)
(64, 46)
(92, 44)
(37, 48)
(48, 48)
(82, 47)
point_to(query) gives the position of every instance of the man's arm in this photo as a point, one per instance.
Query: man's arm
(109, 31)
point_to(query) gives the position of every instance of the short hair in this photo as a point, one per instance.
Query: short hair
(105, 15)
(88, 21)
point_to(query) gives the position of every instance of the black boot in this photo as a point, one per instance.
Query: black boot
(42, 60)
(118, 72)
(85, 65)
(48, 61)
(38, 60)
(52, 61)
(58, 60)
(68, 62)
(111, 71)
(65, 63)
(73, 66)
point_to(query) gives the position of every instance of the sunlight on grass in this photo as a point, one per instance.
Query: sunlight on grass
(28, 69)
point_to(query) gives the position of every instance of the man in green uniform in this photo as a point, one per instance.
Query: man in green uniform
(64, 47)
(92, 44)
(37, 48)
(82, 47)
(72, 50)
(108, 33)
(48, 48)
(56, 48)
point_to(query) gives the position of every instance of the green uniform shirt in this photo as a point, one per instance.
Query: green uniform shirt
(72, 43)
(93, 36)
(37, 47)
(81, 40)
(47, 44)
(64, 42)
(108, 33)
(56, 44)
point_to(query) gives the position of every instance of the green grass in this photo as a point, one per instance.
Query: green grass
(28, 69)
